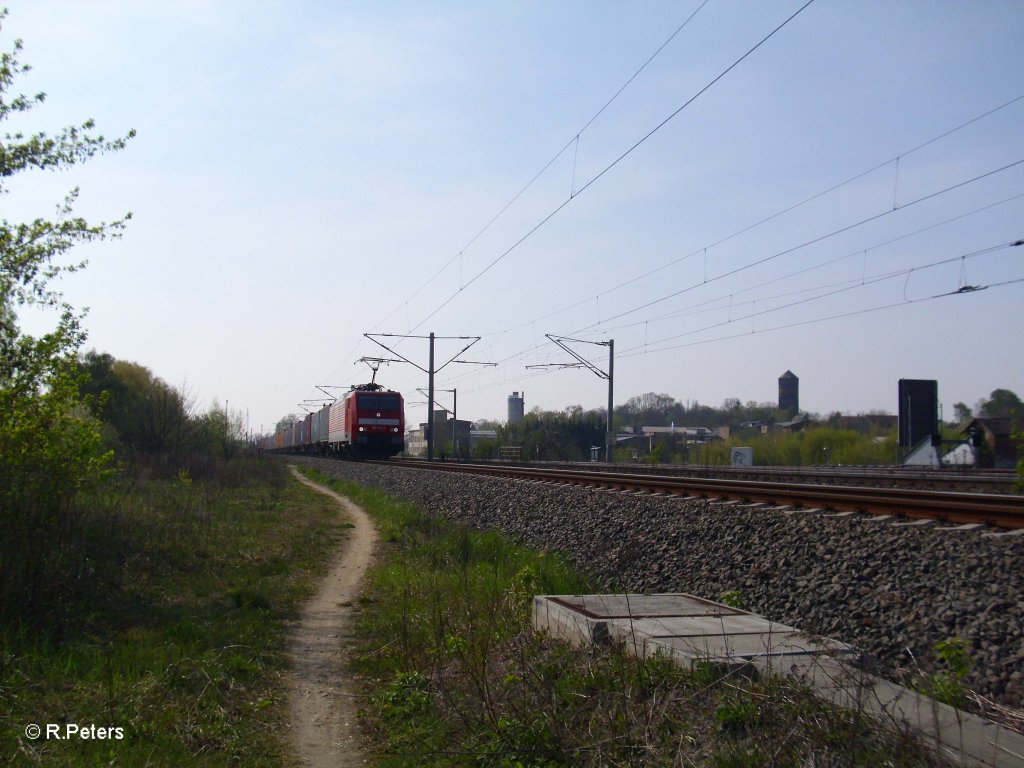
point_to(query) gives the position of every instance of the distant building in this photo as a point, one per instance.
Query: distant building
(691, 433)
(962, 455)
(516, 407)
(451, 437)
(789, 392)
(416, 441)
(993, 442)
(788, 427)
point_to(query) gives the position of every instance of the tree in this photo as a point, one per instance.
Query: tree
(285, 422)
(649, 409)
(147, 413)
(1001, 403)
(219, 432)
(961, 412)
(29, 252)
(50, 444)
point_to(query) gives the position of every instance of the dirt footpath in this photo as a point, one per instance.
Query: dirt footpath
(324, 732)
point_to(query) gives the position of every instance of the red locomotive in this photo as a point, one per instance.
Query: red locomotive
(367, 423)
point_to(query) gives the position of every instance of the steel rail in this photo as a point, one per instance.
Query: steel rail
(1001, 481)
(1000, 510)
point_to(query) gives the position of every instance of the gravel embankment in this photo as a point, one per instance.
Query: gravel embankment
(891, 592)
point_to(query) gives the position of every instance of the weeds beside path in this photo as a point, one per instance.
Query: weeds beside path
(175, 637)
(321, 697)
(453, 675)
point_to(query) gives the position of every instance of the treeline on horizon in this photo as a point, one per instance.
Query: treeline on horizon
(869, 438)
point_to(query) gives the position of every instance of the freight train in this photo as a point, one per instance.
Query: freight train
(367, 423)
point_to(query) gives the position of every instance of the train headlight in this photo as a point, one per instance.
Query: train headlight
(394, 429)
(362, 429)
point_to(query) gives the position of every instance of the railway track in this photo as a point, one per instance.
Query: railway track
(938, 479)
(1002, 510)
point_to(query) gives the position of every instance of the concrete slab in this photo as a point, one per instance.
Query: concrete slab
(964, 527)
(962, 738)
(635, 606)
(690, 630)
(734, 649)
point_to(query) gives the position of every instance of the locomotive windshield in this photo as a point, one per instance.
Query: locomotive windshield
(378, 403)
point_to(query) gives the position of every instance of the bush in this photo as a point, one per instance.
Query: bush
(50, 451)
(817, 445)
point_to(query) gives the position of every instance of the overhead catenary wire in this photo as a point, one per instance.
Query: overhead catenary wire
(530, 183)
(640, 352)
(896, 160)
(820, 265)
(594, 179)
(812, 321)
(813, 241)
(652, 348)
(860, 175)
(605, 328)
(788, 209)
(850, 285)
(574, 141)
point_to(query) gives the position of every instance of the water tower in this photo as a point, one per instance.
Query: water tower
(516, 404)
(789, 392)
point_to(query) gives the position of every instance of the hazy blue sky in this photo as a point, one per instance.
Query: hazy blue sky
(307, 172)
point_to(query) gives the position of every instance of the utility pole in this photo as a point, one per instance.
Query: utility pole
(430, 370)
(582, 362)
(430, 399)
(455, 409)
(610, 452)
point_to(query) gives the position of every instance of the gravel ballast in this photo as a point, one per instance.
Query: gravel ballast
(892, 592)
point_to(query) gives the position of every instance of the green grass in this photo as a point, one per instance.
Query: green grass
(454, 676)
(174, 632)
(178, 638)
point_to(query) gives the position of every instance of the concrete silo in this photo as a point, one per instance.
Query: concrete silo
(516, 405)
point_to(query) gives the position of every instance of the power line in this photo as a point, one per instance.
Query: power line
(787, 210)
(816, 196)
(611, 165)
(777, 214)
(780, 213)
(812, 241)
(543, 170)
(796, 324)
(813, 321)
(645, 349)
(430, 370)
(829, 262)
(605, 328)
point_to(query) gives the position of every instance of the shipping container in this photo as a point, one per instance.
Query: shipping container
(320, 425)
(337, 420)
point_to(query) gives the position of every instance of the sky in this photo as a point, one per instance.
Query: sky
(727, 190)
